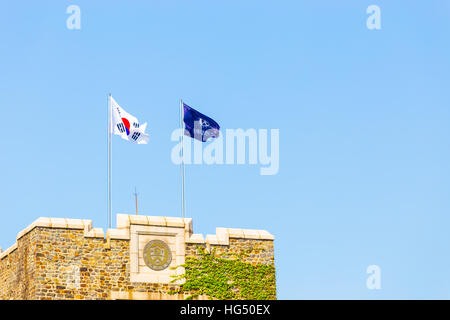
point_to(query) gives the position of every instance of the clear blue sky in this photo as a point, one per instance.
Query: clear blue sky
(363, 116)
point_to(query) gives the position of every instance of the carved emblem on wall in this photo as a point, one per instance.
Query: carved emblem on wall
(157, 255)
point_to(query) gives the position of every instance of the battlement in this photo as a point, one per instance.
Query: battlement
(124, 221)
(58, 258)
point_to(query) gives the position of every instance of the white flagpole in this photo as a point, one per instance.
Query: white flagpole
(182, 157)
(109, 213)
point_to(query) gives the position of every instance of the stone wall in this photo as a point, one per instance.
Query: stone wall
(17, 269)
(68, 259)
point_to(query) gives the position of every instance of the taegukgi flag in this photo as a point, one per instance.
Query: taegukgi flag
(127, 126)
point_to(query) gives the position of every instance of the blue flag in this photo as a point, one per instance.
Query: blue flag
(199, 126)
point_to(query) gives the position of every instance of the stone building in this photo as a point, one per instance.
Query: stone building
(56, 258)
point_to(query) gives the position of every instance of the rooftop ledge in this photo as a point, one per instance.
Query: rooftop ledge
(124, 221)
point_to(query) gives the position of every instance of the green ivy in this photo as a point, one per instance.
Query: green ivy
(229, 278)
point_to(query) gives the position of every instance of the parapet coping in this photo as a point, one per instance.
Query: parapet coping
(124, 221)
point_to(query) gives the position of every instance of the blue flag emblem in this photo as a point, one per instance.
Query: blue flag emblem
(199, 126)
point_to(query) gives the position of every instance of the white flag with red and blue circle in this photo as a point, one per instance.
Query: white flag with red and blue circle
(127, 126)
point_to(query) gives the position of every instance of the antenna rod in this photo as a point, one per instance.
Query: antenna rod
(135, 197)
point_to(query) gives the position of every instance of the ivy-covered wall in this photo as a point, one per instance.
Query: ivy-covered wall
(243, 270)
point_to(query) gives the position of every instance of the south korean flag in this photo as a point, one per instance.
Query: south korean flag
(126, 125)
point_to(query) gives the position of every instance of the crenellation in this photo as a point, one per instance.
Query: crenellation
(56, 258)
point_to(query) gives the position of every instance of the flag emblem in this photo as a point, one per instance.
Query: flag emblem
(206, 128)
(126, 123)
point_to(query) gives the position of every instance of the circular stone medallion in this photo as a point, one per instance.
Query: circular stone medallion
(157, 255)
